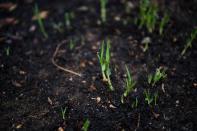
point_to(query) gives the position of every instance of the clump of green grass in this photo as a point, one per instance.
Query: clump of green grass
(40, 22)
(192, 37)
(103, 10)
(86, 125)
(63, 113)
(150, 98)
(148, 15)
(163, 22)
(104, 59)
(159, 75)
(130, 84)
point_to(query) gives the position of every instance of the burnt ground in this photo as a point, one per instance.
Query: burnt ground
(33, 90)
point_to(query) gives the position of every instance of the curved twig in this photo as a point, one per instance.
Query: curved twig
(60, 67)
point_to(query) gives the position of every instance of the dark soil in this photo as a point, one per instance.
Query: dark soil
(33, 90)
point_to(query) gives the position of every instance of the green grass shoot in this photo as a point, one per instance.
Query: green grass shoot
(192, 37)
(157, 76)
(103, 10)
(163, 22)
(129, 86)
(86, 125)
(104, 57)
(63, 113)
(148, 15)
(40, 21)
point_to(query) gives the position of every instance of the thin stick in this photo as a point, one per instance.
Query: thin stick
(138, 122)
(60, 67)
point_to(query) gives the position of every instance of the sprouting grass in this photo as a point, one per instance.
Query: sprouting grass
(155, 98)
(40, 22)
(150, 98)
(68, 16)
(146, 41)
(163, 22)
(103, 10)
(104, 59)
(71, 44)
(192, 37)
(159, 75)
(135, 103)
(63, 113)
(86, 125)
(7, 51)
(148, 15)
(130, 84)
(58, 27)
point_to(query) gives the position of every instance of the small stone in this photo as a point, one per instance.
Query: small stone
(117, 18)
(94, 47)
(98, 99)
(84, 82)
(22, 72)
(32, 28)
(60, 129)
(90, 63)
(70, 79)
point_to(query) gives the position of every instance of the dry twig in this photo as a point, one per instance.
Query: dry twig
(60, 67)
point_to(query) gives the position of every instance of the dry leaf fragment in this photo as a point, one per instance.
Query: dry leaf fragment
(112, 106)
(92, 87)
(156, 115)
(8, 6)
(19, 126)
(50, 101)
(195, 85)
(42, 15)
(8, 21)
(15, 83)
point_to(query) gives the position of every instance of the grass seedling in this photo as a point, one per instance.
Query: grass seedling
(135, 103)
(130, 83)
(155, 98)
(159, 75)
(163, 22)
(148, 15)
(103, 10)
(67, 19)
(58, 27)
(193, 36)
(63, 113)
(148, 97)
(146, 41)
(40, 22)
(71, 44)
(68, 16)
(104, 60)
(86, 125)
(7, 51)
